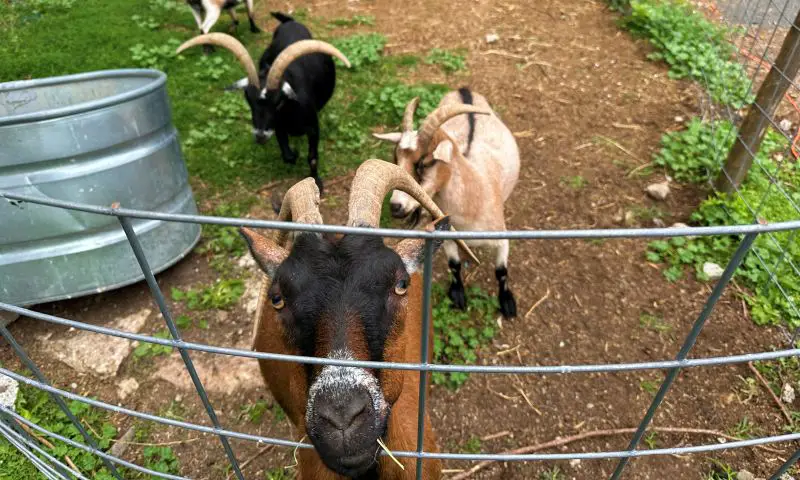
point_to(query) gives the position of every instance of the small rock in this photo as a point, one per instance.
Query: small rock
(246, 261)
(121, 445)
(73, 386)
(492, 38)
(712, 270)
(126, 387)
(787, 394)
(220, 374)
(574, 463)
(8, 392)
(658, 191)
(679, 119)
(630, 218)
(785, 124)
(252, 290)
(659, 223)
(561, 344)
(745, 475)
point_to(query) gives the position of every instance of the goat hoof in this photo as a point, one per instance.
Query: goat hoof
(291, 158)
(508, 306)
(457, 297)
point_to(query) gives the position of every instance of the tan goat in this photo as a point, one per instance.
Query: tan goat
(469, 165)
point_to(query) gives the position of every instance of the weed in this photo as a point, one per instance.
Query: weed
(460, 334)
(168, 5)
(254, 412)
(680, 155)
(220, 295)
(390, 101)
(174, 411)
(554, 473)
(361, 49)
(654, 322)
(649, 386)
(647, 214)
(277, 473)
(161, 459)
(183, 321)
(744, 429)
(692, 47)
(38, 407)
(575, 182)
(749, 388)
(211, 68)
(720, 471)
(472, 446)
(449, 61)
(651, 440)
(222, 243)
(156, 56)
(353, 21)
(146, 350)
(148, 23)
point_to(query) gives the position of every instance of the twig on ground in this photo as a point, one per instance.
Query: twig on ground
(772, 394)
(627, 126)
(503, 53)
(508, 350)
(640, 167)
(616, 144)
(528, 400)
(47, 444)
(261, 451)
(600, 433)
(494, 436)
(538, 302)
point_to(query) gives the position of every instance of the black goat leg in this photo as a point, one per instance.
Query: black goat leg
(288, 155)
(312, 131)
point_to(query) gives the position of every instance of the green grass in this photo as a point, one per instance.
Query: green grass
(222, 294)
(353, 21)
(149, 350)
(655, 323)
(214, 125)
(692, 46)
(447, 60)
(254, 412)
(554, 473)
(459, 335)
(720, 471)
(473, 445)
(575, 182)
(696, 155)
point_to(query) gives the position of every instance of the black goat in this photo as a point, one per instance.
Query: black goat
(295, 79)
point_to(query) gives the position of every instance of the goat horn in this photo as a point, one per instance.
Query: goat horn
(300, 205)
(235, 46)
(296, 50)
(373, 180)
(439, 116)
(408, 115)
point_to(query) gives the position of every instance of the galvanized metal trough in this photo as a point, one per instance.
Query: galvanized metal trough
(96, 138)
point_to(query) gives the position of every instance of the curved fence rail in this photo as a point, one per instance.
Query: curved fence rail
(10, 421)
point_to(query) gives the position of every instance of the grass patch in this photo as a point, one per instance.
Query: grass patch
(447, 60)
(37, 406)
(692, 46)
(458, 335)
(680, 156)
(720, 471)
(353, 21)
(654, 323)
(149, 350)
(161, 459)
(361, 49)
(575, 182)
(254, 412)
(554, 473)
(473, 445)
(222, 294)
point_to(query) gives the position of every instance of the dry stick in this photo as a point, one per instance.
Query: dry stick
(503, 53)
(640, 167)
(261, 451)
(599, 433)
(538, 302)
(616, 144)
(774, 397)
(493, 436)
(47, 444)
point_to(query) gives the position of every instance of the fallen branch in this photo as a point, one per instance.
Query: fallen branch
(493, 436)
(616, 144)
(772, 394)
(640, 167)
(538, 302)
(503, 53)
(47, 444)
(600, 433)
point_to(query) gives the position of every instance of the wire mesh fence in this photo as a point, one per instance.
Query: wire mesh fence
(762, 218)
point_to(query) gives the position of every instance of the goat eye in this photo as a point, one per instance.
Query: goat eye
(277, 302)
(401, 287)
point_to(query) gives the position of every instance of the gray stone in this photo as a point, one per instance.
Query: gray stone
(658, 191)
(88, 352)
(127, 387)
(119, 447)
(785, 124)
(787, 394)
(745, 475)
(712, 270)
(246, 262)
(221, 374)
(251, 292)
(8, 392)
(492, 38)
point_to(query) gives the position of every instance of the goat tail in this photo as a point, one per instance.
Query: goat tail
(466, 98)
(281, 17)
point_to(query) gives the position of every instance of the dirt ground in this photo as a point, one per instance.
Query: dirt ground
(565, 79)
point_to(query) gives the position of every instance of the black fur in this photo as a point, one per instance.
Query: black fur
(456, 291)
(466, 98)
(313, 79)
(508, 306)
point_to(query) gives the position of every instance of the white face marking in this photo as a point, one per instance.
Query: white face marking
(264, 93)
(408, 141)
(405, 200)
(241, 83)
(267, 133)
(340, 381)
(288, 91)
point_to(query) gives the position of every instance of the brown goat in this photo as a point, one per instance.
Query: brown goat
(346, 297)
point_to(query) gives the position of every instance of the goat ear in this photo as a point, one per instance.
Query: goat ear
(393, 137)
(444, 151)
(240, 84)
(268, 254)
(412, 250)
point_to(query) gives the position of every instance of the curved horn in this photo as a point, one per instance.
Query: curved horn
(300, 205)
(408, 115)
(296, 50)
(439, 116)
(373, 180)
(235, 46)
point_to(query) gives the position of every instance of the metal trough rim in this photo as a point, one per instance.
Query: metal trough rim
(158, 79)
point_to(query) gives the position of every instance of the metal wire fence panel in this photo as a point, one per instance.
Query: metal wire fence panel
(762, 216)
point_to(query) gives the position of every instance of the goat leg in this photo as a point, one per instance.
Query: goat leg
(312, 131)
(287, 154)
(508, 306)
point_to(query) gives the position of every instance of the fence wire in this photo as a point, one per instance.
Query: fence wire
(757, 37)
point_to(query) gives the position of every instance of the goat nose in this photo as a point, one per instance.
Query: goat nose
(397, 210)
(346, 413)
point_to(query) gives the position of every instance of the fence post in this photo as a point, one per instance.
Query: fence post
(751, 133)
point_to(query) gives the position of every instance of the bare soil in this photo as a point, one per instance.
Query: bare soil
(564, 78)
